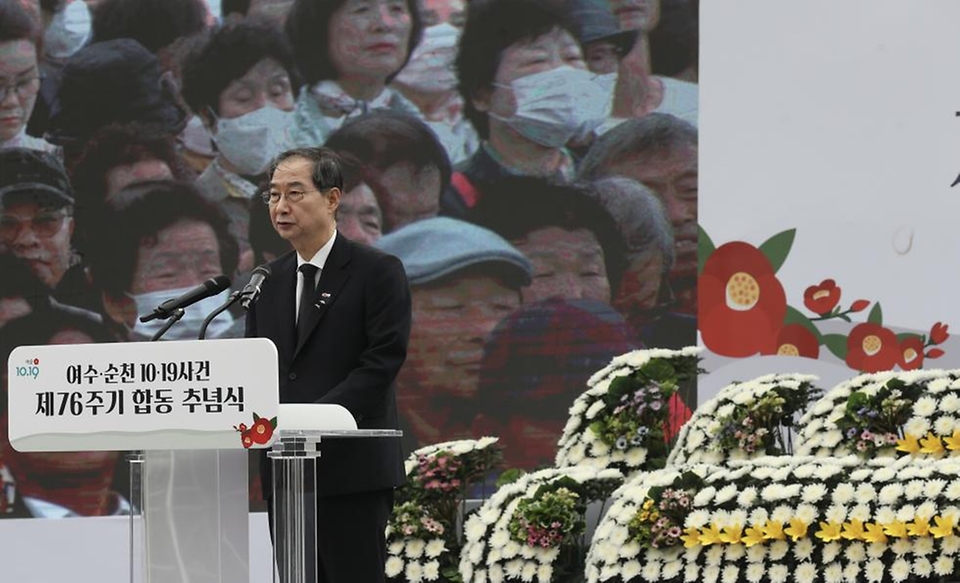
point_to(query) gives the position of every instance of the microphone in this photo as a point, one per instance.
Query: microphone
(209, 288)
(251, 291)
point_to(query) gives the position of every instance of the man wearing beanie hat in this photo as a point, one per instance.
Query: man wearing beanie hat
(36, 212)
(464, 279)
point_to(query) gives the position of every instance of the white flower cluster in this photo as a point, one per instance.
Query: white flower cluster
(578, 445)
(694, 440)
(457, 448)
(936, 411)
(489, 552)
(793, 518)
(414, 559)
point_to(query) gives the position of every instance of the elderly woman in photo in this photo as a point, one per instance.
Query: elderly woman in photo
(348, 51)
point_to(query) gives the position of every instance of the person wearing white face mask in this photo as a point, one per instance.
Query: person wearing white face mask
(430, 82)
(241, 82)
(527, 92)
(151, 242)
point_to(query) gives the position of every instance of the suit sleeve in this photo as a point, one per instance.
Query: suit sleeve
(387, 325)
(250, 329)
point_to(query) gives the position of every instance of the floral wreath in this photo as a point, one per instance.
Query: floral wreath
(531, 529)
(882, 414)
(625, 418)
(423, 543)
(745, 420)
(788, 518)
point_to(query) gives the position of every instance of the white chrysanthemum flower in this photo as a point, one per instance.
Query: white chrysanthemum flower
(694, 440)
(877, 550)
(475, 554)
(943, 566)
(495, 574)
(874, 570)
(747, 497)
(413, 572)
(704, 496)
(651, 571)
(731, 573)
(697, 519)
(758, 516)
(914, 489)
(923, 546)
(394, 566)
(727, 493)
(431, 571)
(778, 550)
(866, 493)
(395, 548)
(805, 571)
(890, 493)
(950, 403)
(714, 555)
(812, 493)
(944, 425)
(901, 546)
(826, 472)
(778, 573)
(917, 426)
(756, 553)
(782, 514)
(927, 510)
(734, 553)
(807, 513)
(885, 514)
(803, 549)
(836, 513)
(513, 568)
(831, 438)
(529, 571)
(860, 512)
(545, 573)
(474, 530)
(925, 407)
(595, 409)
(636, 456)
(922, 567)
(900, 570)
(949, 545)
(670, 569)
(599, 448)
(711, 573)
(830, 552)
(511, 549)
(933, 488)
(435, 547)
(691, 573)
(415, 548)
(762, 472)
(906, 512)
(843, 493)
(630, 550)
(855, 552)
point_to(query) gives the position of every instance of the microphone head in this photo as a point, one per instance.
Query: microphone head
(217, 284)
(263, 270)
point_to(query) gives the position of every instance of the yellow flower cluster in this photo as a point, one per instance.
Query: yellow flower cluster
(796, 529)
(929, 445)
(648, 513)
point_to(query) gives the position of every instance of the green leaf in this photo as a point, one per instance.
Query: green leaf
(837, 344)
(777, 248)
(255, 417)
(273, 422)
(794, 316)
(509, 476)
(876, 315)
(705, 247)
(904, 335)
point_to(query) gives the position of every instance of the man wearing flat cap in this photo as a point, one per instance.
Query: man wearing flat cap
(36, 213)
(464, 280)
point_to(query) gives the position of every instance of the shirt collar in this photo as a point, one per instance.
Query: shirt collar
(320, 258)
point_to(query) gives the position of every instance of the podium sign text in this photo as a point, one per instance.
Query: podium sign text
(210, 394)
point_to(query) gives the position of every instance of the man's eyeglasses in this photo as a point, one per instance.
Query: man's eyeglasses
(274, 196)
(24, 88)
(43, 225)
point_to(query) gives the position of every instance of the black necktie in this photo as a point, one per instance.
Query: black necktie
(307, 297)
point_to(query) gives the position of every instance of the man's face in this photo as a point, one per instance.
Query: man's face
(182, 255)
(451, 322)
(673, 175)
(369, 39)
(550, 51)
(13, 308)
(20, 80)
(637, 14)
(566, 264)
(412, 196)
(39, 235)
(119, 177)
(359, 217)
(266, 84)
(309, 222)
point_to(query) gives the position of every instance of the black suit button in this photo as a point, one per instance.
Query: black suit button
(292, 376)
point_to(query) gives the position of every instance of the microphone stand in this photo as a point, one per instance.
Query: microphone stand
(223, 308)
(173, 319)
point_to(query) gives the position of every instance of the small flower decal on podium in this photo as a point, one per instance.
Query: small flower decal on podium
(259, 433)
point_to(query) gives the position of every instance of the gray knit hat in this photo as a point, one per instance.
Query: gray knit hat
(437, 247)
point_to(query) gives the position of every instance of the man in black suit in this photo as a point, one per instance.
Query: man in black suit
(339, 314)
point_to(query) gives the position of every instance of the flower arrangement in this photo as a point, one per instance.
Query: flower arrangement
(532, 529)
(423, 533)
(746, 419)
(882, 414)
(788, 518)
(629, 412)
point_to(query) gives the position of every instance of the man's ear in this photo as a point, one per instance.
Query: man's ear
(333, 199)
(121, 309)
(481, 99)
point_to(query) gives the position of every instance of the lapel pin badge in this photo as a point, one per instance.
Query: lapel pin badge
(323, 300)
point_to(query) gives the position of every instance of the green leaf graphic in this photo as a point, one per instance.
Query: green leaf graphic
(705, 247)
(876, 315)
(837, 344)
(777, 248)
(794, 316)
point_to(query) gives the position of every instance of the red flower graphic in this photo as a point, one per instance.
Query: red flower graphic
(911, 353)
(872, 348)
(262, 431)
(794, 340)
(246, 439)
(859, 305)
(822, 299)
(742, 304)
(938, 333)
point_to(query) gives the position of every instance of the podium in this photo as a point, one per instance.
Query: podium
(190, 409)
(294, 457)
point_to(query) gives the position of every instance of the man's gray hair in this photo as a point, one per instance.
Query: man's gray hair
(650, 134)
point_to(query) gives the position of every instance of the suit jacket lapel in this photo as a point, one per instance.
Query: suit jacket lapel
(287, 283)
(335, 273)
